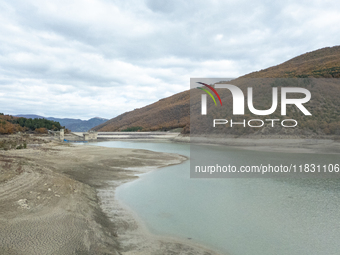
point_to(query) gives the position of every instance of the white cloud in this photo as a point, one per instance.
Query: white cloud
(102, 58)
(218, 37)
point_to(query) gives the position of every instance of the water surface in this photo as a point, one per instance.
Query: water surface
(237, 216)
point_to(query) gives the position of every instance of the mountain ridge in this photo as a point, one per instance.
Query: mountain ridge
(75, 125)
(323, 63)
(174, 111)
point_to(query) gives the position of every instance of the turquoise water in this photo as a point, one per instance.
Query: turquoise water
(237, 216)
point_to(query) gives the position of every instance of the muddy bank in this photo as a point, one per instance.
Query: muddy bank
(49, 202)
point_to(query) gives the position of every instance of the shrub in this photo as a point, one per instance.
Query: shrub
(41, 130)
(132, 129)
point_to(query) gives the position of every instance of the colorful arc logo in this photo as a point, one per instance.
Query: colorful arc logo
(208, 92)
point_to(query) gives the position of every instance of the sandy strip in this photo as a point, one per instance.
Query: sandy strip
(52, 201)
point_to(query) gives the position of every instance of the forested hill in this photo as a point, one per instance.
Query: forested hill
(11, 124)
(322, 63)
(174, 111)
(75, 125)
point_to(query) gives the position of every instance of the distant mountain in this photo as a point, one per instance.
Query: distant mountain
(30, 116)
(75, 125)
(174, 111)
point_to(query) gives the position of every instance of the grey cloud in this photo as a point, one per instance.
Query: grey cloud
(97, 49)
(161, 6)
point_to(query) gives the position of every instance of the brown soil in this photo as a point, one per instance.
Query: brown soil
(49, 202)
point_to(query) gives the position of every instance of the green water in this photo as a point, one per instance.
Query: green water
(237, 216)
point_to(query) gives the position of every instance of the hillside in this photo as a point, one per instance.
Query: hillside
(324, 107)
(174, 111)
(30, 116)
(6, 125)
(75, 125)
(168, 113)
(322, 63)
(12, 124)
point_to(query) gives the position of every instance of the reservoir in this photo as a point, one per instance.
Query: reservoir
(237, 216)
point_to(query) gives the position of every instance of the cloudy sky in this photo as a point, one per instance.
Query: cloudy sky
(87, 58)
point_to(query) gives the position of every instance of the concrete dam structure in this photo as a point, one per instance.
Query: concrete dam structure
(125, 135)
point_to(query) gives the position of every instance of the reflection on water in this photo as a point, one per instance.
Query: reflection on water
(238, 216)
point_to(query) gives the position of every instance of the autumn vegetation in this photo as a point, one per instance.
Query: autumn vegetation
(322, 63)
(10, 125)
(133, 129)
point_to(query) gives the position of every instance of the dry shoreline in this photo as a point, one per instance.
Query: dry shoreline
(59, 198)
(289, 144)
(51, 202)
